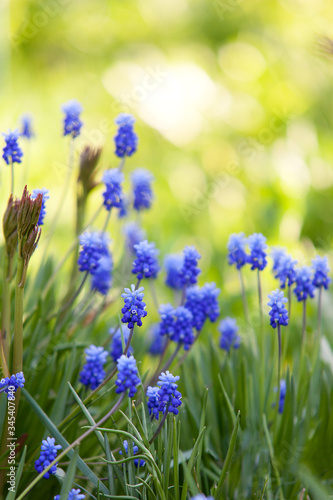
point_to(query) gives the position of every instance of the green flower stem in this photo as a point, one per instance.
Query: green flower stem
(304, 324)
(66, 306)
(289, 301)
(6, 308)
(319, 320)
(18, 319)
(73, 445)
(107, 220)
(12, 175)
(245, 305)
(279, 367)
(159, 428)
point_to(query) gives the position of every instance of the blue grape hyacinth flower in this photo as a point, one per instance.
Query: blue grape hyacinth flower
(26, 128)
(258, 254)
(133, 235)
(189, 271)
(278, 313)
(237, 250)
(168, 394)
(283, 391)
(321, 269)
(173, 264)
(93, 372)
(113, 194)
(137, 462)
(304, 285)
(102, 275)
(94, 246)
(72, 121)
(49, 451)
(73, 495)
(116, 347)
(177, 324)
(14, 381)
(153, 402)
(146, 264)
(12, 153)
(203, 304)
(167, 319)
(127, 375)
(200, 496)
(276, 254)
(157, 341)
(286, 271)
(134, 307)
(142, 191)
(126, 140)
(45, 193)
(229, 334)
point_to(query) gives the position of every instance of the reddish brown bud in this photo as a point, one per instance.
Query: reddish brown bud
(28, 214)
(9, 224)
(88, 162)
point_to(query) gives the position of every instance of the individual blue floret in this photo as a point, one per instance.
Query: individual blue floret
(137, 462)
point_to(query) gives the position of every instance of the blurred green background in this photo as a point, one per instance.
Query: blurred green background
(232, 101)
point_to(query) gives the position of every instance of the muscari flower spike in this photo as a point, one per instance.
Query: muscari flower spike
(258, 254)
(113, 195)
(177, 325)
(116, 347)
(146, 264)
(276, 255)
(48, 453)
(153, 402)
(286, 270)
(127, 375)
(137, 462)
(278, 313)
(201, 497)
(26, 128)
(15, 381)
(168, 395)
(126, 140)
(203, 304)
(94, 246)
(189, 271)
(133, 235)
(93, 372)
(304, 286)
(134, 307)
(102, 275)
(321, 269)
(72, 122)
(173, 264)
(124, 207)
(73, 495)
(236, 250)
(142, 192)
(229, 334)
(45, 194)
(157, 341)
(12, 153)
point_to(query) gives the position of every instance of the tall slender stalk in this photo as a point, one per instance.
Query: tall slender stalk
(18, 318)
(6, 307)
(319, 320)
(12, 174)
(279, 367)
(304, 324)
(245, 305)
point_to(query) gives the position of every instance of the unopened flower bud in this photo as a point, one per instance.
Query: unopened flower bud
(10, 225)
(88, 162)
(28, 214)
(30, 244)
